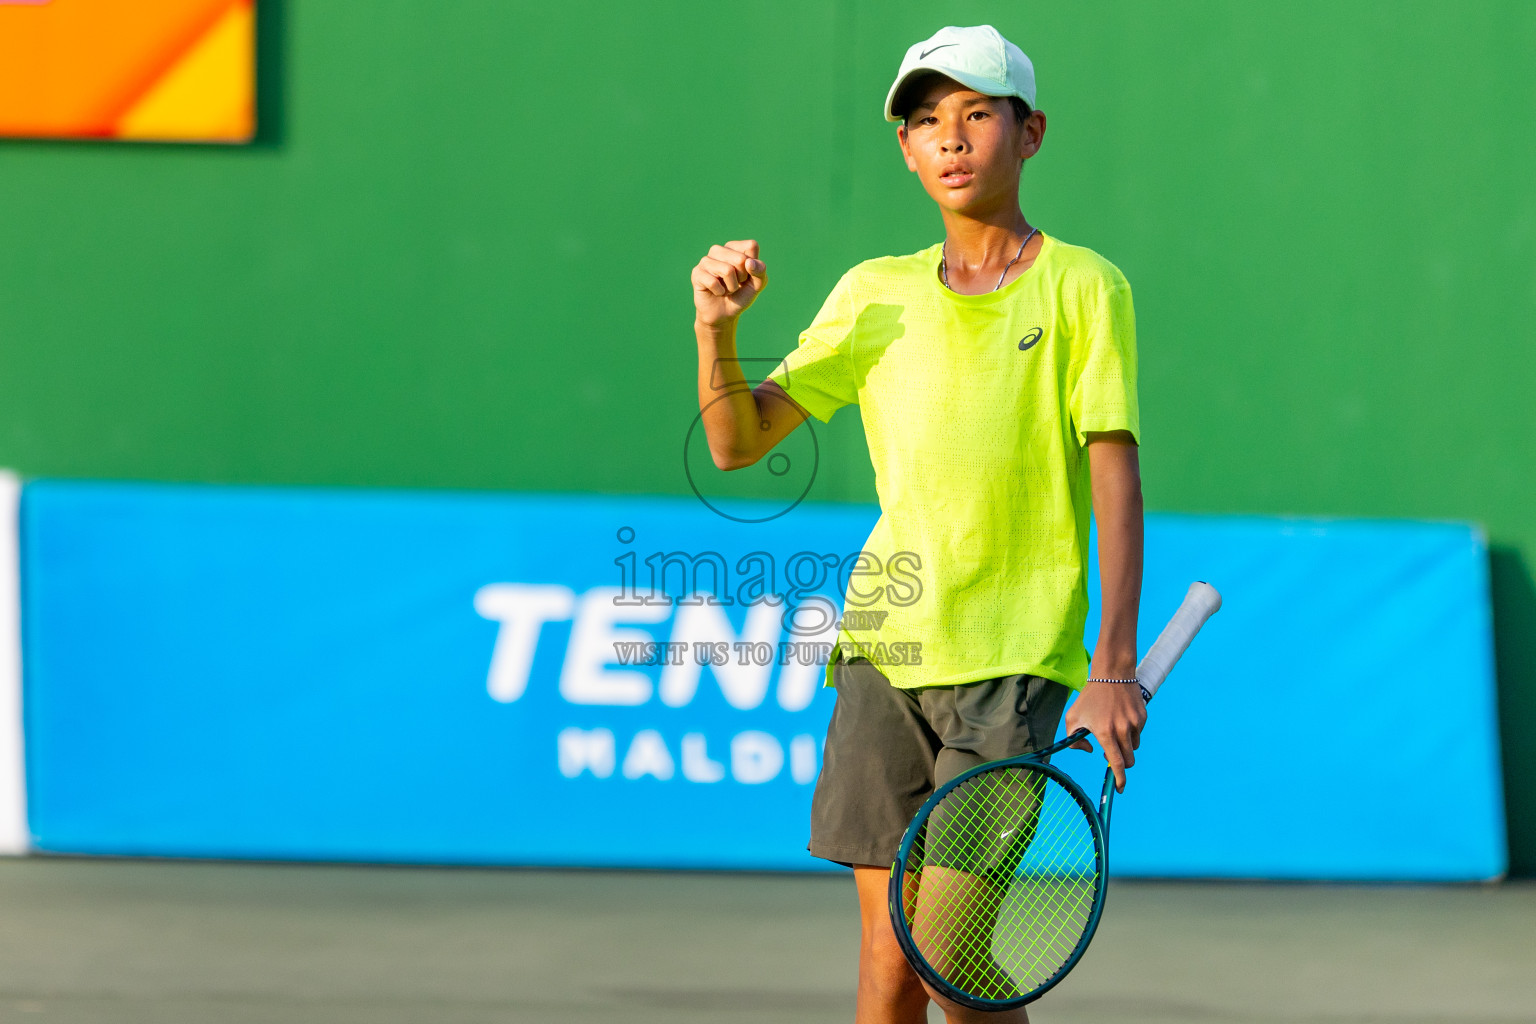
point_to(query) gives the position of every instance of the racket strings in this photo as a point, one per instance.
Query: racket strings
(1052, 905)
(1002, 883)
(1056, 887)
(1036, 935)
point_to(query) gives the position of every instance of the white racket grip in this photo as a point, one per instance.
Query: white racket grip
(1200, 604)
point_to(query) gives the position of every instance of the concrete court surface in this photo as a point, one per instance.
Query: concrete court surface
(94, 941)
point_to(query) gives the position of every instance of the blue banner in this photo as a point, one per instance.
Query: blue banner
(474, 678)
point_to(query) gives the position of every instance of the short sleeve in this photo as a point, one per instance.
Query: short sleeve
(1104, 390)
(819, 373)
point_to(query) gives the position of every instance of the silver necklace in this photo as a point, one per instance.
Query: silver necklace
(944, 260)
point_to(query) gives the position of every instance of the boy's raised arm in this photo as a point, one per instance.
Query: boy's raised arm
(742, 423)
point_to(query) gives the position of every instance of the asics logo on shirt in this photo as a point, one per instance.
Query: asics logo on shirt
(1029, 340)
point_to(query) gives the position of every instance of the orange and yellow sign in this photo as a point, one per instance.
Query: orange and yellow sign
(155, 70)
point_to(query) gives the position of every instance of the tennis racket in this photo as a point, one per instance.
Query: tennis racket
(1000, 879)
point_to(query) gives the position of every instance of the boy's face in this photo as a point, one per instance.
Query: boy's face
(967, 148)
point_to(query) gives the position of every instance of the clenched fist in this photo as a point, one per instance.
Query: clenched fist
(726, 281)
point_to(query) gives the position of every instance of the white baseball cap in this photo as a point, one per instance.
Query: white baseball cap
(976, 56)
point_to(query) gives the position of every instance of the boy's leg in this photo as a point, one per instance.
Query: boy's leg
(877, 769)
(963, 889)
(890, 992)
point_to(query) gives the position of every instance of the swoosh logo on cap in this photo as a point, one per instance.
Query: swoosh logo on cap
(925, 53)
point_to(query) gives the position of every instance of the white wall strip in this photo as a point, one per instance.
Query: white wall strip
(15, 838)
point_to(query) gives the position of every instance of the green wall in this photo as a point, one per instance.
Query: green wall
(459, 256)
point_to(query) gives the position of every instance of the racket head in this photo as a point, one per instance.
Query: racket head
(999, 883)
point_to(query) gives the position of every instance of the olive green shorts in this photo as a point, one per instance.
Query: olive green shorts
(887, 748)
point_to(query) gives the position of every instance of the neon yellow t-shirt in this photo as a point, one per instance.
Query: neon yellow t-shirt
(976, 410)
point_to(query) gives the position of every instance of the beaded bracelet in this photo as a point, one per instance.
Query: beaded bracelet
(1093, 680)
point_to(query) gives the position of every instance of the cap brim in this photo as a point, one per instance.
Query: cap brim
(982, 85)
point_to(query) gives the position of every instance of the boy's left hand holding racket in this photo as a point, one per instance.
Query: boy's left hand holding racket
(1115, 714)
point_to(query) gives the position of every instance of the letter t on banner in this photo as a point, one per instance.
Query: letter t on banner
(522, 610)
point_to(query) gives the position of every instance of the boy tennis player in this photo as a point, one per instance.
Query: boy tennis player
(996, 375)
